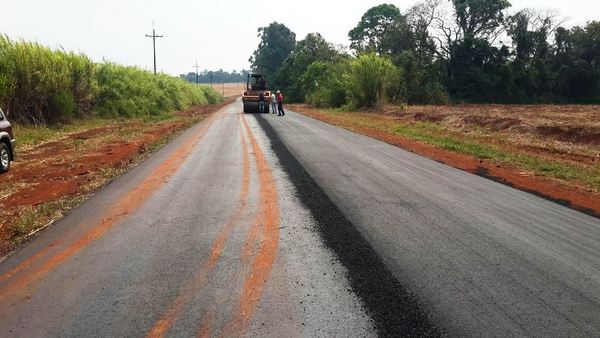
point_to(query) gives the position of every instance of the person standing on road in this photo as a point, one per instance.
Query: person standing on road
(261, 102)
(273, 103)
(280, 111)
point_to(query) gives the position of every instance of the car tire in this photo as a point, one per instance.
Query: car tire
(4, 158)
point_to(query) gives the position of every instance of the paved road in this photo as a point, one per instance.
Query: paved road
(261, 225)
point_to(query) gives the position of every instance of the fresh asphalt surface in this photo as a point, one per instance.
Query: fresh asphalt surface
(260, 225)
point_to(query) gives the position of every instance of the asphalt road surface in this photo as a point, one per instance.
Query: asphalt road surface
(266, 226)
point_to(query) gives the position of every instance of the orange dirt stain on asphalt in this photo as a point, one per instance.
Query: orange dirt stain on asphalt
(254, 236)
(124, 206)
(28, 262)
(267, 251)
(162, 326)
(206, 327)
(235, 218)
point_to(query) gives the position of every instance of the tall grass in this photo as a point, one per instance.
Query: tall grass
(370, 79)
(129, 91)
(42, 85)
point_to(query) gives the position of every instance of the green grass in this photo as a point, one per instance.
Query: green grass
(450, 143)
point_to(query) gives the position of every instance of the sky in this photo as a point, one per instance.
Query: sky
(220, 34)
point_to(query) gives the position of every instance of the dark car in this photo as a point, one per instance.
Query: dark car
(7, 143)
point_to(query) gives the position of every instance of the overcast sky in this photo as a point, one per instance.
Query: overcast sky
(219, 34)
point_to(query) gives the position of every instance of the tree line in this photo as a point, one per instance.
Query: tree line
(219, 76)
(438, 51)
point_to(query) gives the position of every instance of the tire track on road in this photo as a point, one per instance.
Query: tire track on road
(264, 259)
(164, 324)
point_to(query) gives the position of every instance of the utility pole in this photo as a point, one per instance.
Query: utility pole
(154, 36)
(197, 76)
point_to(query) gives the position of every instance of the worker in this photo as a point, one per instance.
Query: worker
(273, 103)
(280, 111)
(261, 102)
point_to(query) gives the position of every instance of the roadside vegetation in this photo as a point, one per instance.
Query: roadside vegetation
(438, 52)
(39, 85)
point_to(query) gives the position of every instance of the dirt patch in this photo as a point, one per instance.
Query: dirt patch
(88, 134)
(494, 123)
(79, 164)
(428, 117)
(576, 124)
(580, 135)
(571, 194)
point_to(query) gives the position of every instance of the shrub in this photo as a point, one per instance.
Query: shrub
(370, 79)
(323, 84)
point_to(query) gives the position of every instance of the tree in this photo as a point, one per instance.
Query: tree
(217, 76)
(323, 83)
(530, 69)
(480, 19)
(419, 61)
(276, 43)
(473, 64)
(420, 18)
(313, 48)
(476, 70)
(577, 63)
(372, 34)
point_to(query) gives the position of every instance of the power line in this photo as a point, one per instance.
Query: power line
(114, 13)
(139, 11)
(154, 36)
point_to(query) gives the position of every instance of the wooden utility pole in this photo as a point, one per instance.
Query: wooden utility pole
(197, 76)
(154, 36)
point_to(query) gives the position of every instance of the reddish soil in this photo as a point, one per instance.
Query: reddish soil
(565, 193)
(57, 170)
